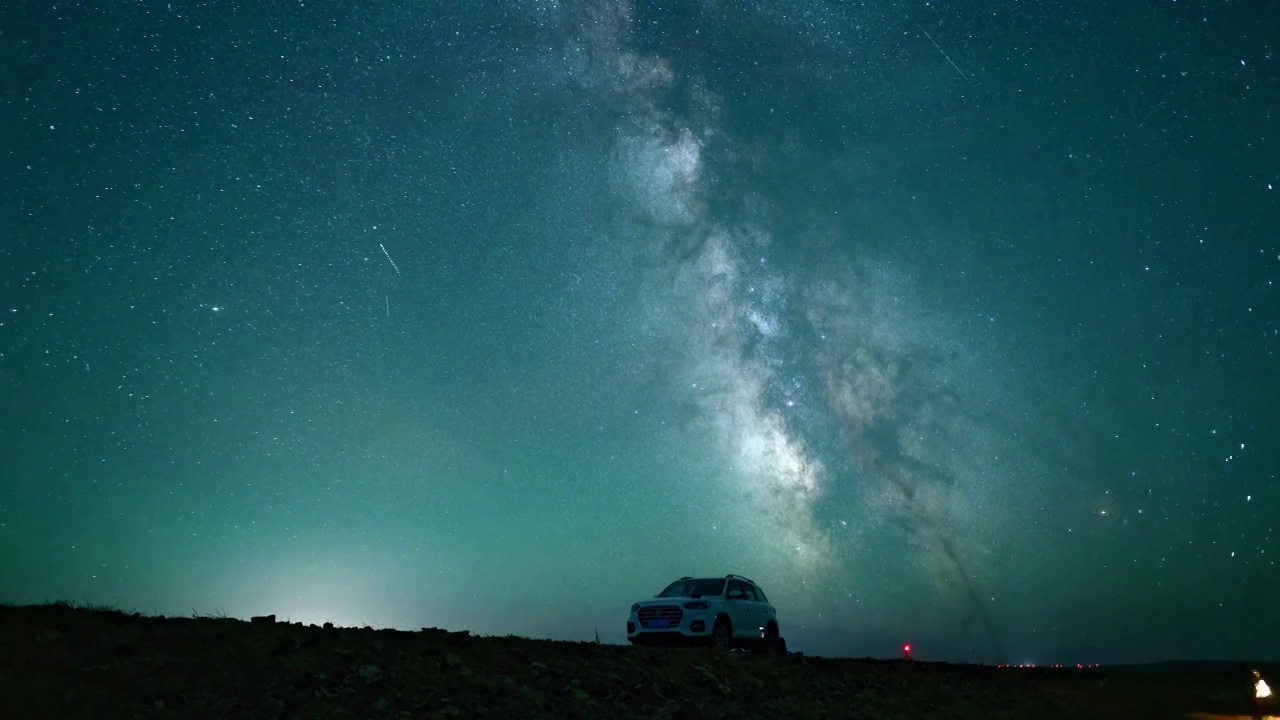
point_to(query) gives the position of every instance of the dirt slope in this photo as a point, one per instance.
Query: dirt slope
(62, 662)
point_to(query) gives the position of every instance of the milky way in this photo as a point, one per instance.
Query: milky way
(831, 386)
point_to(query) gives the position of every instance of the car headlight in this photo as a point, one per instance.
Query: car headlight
(697, 605)
(635, 607)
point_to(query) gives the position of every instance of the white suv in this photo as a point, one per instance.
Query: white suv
(728, 612)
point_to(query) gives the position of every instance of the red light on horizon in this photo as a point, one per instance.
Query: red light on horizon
(906, 648)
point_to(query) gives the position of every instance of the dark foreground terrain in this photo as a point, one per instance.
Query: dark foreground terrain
(57, 661)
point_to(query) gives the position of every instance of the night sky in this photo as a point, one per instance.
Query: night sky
(948, 323)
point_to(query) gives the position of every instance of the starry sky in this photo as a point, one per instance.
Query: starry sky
(948, 323)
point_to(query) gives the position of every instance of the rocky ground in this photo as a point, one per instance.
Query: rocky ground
(57, 661)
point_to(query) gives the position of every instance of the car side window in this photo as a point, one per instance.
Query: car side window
(760, 595)
(751, 592)
(737, 591)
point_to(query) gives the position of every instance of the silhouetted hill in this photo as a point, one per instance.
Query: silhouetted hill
(57, 661)
(1194, 666)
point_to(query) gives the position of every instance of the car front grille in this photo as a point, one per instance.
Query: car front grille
(672, 614)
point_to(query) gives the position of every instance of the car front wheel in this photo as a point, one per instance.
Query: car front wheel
(722, 634)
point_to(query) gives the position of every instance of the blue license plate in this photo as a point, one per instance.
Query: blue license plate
(659, 623)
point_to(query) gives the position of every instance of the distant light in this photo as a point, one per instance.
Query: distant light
(906, 648)
(1260, 688)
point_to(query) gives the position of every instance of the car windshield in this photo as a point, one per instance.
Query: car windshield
(693, 588)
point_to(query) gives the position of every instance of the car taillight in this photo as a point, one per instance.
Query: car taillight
(697, 605)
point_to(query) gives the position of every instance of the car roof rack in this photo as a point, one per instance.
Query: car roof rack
(687, 577)
(740, 577)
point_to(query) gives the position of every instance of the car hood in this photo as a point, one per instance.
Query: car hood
(670, 600)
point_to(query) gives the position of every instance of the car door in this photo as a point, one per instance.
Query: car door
(739, 602)
(759, 614)
(763, 610)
